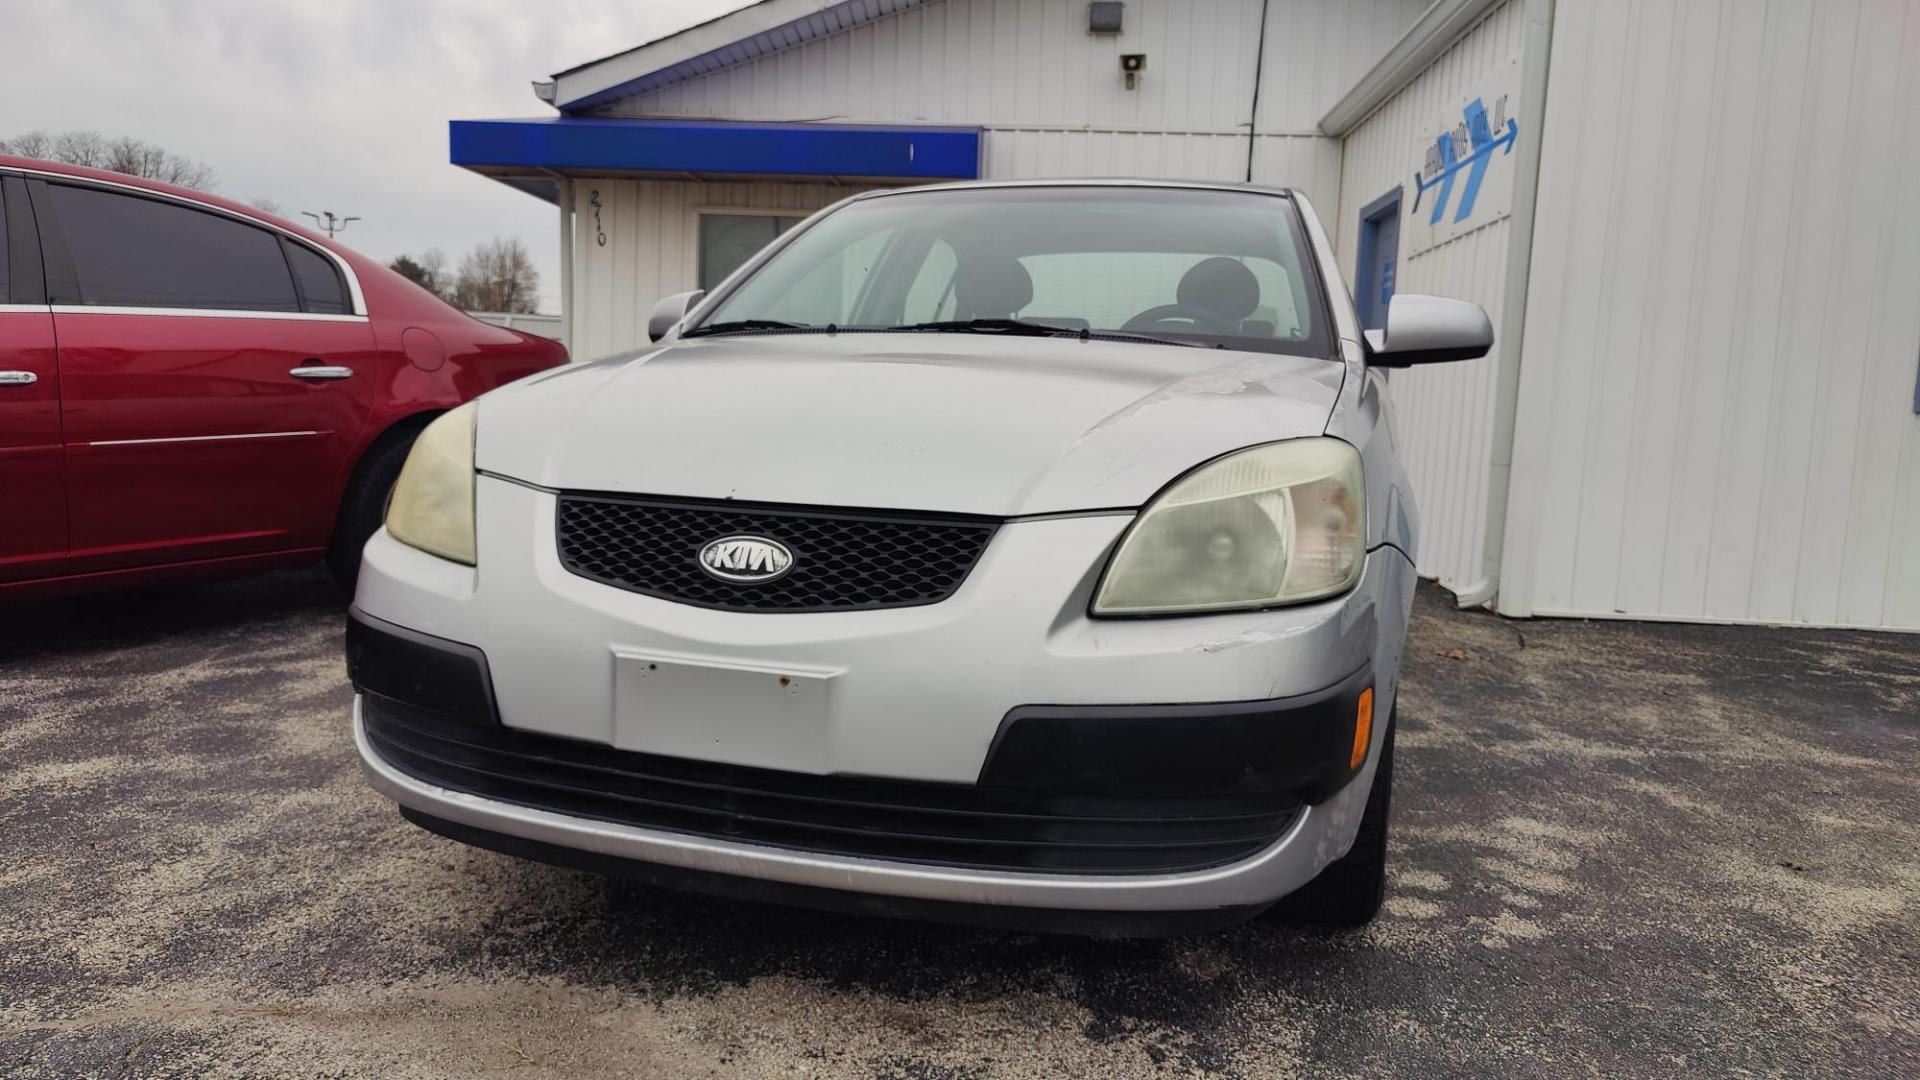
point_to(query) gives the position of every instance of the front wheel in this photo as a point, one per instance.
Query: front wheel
(1349, 891)
(365, 506)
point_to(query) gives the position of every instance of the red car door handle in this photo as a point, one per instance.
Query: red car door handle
(18, 378)
(317, 370)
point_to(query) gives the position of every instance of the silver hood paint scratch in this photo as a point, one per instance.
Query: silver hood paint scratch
(961, 423)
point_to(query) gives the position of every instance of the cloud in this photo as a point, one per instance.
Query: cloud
(339, 105)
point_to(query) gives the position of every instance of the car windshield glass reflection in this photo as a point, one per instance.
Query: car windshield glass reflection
(1161, 265)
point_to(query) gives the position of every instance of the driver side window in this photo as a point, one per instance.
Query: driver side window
(930, 297)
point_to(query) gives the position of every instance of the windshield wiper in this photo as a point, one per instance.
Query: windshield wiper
(1028, 328)
(1126, 335)
(741, 326)
(1009, 327)
(986, 326)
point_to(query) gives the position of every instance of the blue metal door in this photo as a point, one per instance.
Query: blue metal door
(1379, 256)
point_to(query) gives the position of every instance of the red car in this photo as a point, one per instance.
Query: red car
(189, 386)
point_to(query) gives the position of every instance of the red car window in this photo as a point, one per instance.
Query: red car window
(130, 251)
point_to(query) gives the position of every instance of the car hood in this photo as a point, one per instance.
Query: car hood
(961, 423)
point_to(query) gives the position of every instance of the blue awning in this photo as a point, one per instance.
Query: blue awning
(717, 149)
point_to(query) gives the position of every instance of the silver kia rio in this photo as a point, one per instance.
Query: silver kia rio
(1032, 553)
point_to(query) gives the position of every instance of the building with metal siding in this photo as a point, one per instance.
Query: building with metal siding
(1683, 218)
(1445, 415)
(1046, 97)
(1716, 415)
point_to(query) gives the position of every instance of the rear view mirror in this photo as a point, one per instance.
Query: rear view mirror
(1429, 330)
(670, 311)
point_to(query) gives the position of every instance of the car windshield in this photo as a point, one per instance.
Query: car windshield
(1180, 265)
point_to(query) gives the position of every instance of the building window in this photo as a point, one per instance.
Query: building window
(727, 241)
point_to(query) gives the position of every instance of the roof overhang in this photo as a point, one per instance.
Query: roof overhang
(754, 30)
(1431, 34)
(531, 154)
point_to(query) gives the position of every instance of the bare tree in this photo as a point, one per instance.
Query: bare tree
(135, 157)
(34, 144)
(267, 205)
(434, 262)
(498, 276)
(81, 148)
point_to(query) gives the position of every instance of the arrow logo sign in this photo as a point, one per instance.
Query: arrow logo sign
(1469, 146)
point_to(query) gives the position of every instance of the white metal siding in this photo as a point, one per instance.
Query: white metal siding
(1444, 415)
(1052, 95)
(650, 228)
(1716, 403)
(714, 44)
(1049, 94)
(1312, 164)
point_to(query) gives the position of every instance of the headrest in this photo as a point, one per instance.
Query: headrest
(1222, 286)
(991, 288)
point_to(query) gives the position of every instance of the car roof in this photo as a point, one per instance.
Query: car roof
(157, 187)
(1090, 182)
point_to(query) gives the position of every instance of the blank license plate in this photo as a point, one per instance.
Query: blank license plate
(716, 710)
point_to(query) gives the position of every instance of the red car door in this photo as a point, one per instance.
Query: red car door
(214, 375)
(33, 495)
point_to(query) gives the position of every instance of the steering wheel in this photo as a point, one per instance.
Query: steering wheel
(1178, 318)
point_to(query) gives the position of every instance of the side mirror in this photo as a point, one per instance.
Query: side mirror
(1430, 330)
(671, 310)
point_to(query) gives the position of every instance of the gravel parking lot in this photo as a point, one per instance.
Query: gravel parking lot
(1619, 849)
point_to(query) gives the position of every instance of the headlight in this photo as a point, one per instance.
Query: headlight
(432, 506)
(1277, 524)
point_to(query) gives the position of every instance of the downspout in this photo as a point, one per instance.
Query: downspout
(1537, 50)
(566, 262)
(1253, 110)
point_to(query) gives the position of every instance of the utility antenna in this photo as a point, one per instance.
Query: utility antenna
(332, 224)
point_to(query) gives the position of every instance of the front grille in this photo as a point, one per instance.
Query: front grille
(946, 824)
(841, 561)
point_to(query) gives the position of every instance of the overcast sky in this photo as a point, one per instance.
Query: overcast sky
(325, 104)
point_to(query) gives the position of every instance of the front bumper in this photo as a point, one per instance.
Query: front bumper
(1316, 836)
(916, 696)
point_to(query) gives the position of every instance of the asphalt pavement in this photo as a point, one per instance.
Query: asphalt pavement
(1618, 849)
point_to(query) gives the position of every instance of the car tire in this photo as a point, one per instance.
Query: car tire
(364, 507)
(1348, 893)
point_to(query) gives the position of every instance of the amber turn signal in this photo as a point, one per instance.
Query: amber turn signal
(1362, 728)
